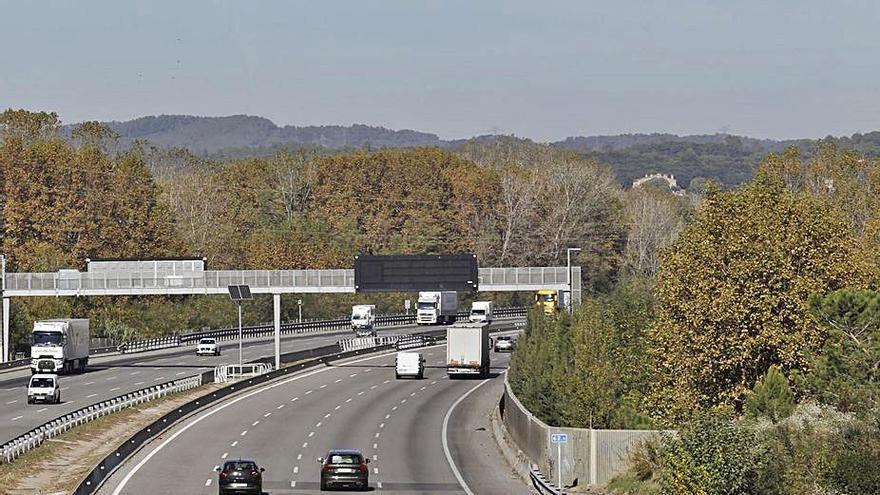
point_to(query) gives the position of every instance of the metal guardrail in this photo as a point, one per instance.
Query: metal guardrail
(32, 439)
(542, 485)
(15, 364)
(367, 342)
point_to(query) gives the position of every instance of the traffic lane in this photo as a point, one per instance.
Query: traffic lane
(473, 446)
(297, 404)
(324, 412)
(106, 381)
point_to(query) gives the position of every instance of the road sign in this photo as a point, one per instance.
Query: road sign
(558, 437)
(411, 273)
(406, 303)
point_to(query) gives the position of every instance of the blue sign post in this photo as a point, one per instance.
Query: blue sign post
(559, 439)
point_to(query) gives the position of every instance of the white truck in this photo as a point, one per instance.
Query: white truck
(363, 319)
(481, 312)
(467, 350)
(60, 346)
(437, 308)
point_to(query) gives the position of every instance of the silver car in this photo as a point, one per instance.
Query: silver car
(504, 344)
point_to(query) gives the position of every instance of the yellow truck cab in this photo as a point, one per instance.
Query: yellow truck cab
(549, 301)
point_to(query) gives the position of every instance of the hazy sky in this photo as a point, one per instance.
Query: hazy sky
(540, 69)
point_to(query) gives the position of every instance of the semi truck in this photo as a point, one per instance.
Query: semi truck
(437, 308)
(481, 312)
(467, 350)
(363, 319)
(60, 346)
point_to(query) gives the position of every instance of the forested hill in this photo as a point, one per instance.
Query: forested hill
(728, 159)
(213, 135)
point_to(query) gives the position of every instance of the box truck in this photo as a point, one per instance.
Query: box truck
(435, 308)
(481, 312)
(60, 346)
(467, 350)
(363, 319)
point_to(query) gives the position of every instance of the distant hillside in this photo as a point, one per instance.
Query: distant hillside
(726, 158)
(209, 135)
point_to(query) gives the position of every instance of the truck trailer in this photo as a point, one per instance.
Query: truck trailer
(467, 350)
(437, 308)
(60, 346)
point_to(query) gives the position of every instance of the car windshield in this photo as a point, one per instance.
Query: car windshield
(345, 459)
(503, 339)
(240, 466)
(426, 305)
(478, 311)
(42, 383)
(206, 341)
(48, 338)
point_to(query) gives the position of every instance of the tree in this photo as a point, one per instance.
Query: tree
(654, 219)
(771, 398)
(845, 372)
(732, 293)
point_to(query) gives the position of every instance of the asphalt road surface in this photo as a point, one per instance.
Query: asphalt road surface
(355, 404)
(110, 376)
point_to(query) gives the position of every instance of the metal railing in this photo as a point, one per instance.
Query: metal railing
(34, 438)
(542, 484)
(367, 342)
(226, 373)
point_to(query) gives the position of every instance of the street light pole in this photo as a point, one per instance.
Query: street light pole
(239, 337)
(568, 273)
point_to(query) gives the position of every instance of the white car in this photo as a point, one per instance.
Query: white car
(504, 344)
(44, 388)
(208, 346)
(409, 364)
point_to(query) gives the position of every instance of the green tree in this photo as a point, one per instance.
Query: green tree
(771, 398)
(845, 372)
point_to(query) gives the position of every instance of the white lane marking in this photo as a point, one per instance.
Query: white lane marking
(178, 374)
(387, 416)
(139, 383)
(41, 410)
(318, 425)
(423, 388)
(352, 375)
(243, 433)
(387, 381)
(361, 392)
(89, 383)
(434, 382)
(403, 401)
(375, 457)
(295, 469)
(451, 462)
(377, 434)
(216, 467)
(233, 444)
(412, 394)
(394, 408)
(111, 377)
(267, 415)
(135, 373)
(299, 457)
(311, 434)
(293, 484)
(114, 389)
(348, 400)
(368, 370)
(90, 396)
(375, 445)
(294, 399)
(12, 402)
(305, 445)
(375, 470)
(16, 418)
(208, 482)
(337, 381)
(137, 467)
(255, 423)
(379, 485)
(280, 407)
(326, 415)
(159, 378)
(308, 392)
(382, 425)
(325, 385)
(336, 408)
(373, 387)
(225, 455)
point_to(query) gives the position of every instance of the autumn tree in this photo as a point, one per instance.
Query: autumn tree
(732, 293)
(654, 218)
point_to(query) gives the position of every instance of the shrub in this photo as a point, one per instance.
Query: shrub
(771, 397)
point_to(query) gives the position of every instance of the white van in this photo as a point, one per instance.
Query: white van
(409, 364)
(481, 312)
(44, 387)
(363, 319)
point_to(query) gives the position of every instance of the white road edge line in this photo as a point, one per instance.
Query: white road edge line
(451, 462)
(129, 475)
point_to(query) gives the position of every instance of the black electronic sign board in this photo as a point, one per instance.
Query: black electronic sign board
(411, 273)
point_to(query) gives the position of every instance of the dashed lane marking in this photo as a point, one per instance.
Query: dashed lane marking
(233, 444)
(267, 415)
(208, 482)
(225, 455)
(255, 423)
(243, 433)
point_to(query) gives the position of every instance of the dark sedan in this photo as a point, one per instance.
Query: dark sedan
(344, 469)
(240, 476)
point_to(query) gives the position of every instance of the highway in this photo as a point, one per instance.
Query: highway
(399, 424)
(110, 376)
